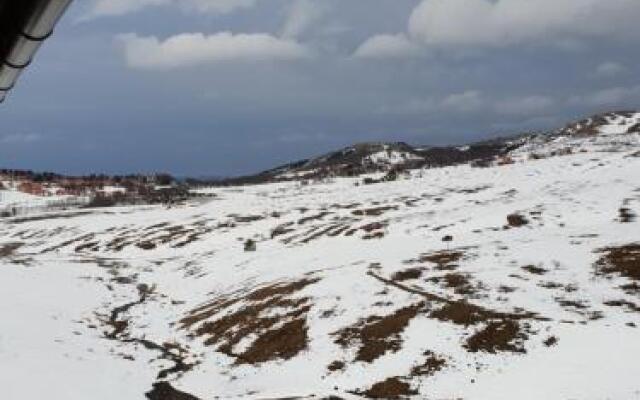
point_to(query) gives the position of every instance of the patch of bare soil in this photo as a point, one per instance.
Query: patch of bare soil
(621, 260)
(146, 245)
(460, 283)
(316, 217)
(331, 230)
(246, 218)
(498, 336)
(462, 313)
(336, 366)
(373, 212)
(164, 391)
(119, 326)
(430, 366)
(374, 230)
(282, 230)
(626, 215)
(516, 220)
(572, 304)
(281, 343)
(172, 352)
(407, 274)
(550, 285)
(391, 388)
(377, 335)
(443, 258)
(270, 313)
(535, 270)
(8, 249)
(632, 288)
(623, 303)
(68, 243)
(45, 217)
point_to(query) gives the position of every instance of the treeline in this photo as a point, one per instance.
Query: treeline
(52, 177)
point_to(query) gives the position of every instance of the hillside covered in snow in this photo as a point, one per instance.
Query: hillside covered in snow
(514, 278)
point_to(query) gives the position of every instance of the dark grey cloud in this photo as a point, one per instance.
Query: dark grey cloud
(219, 87)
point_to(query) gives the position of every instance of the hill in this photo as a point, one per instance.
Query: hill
(520, 279)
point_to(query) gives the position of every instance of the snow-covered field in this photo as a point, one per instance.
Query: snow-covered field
(511, 282)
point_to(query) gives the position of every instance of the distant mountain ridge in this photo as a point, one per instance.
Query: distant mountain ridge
(370, 157)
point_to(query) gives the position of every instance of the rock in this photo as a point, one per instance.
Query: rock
(516, 220)
(250, 245)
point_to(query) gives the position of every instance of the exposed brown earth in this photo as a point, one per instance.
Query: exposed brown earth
(626, 215)
(621, 260)
(516, 220)
(376, 335)
(550, 341)
(391, 388)
(407, 274)
(430, 366)
(462, 313)
(623, 303)
(532, 269)
(316, 217)
(442, 258)
(373, 212)
(498, 336)
(164, 391)
(281, 343)
(336, 366)
(280, 335)
(631, 288)
(460, 283)
(8, 249)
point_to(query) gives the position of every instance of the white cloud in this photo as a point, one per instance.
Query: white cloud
(102, 8)
(189, 49)
(609, 70)
(387, 46)
(468, 101)
(465, 102)
(615, 96)
(301, 15)
(20, 138)
(473, 101)
(527, 105)
(510, 22)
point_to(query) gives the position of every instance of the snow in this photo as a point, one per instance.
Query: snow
(391, 157)
(59, 288)
(14, 196)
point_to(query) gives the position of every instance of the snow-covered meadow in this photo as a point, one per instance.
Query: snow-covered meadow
(514, 281)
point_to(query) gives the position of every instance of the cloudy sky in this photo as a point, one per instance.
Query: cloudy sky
(221, 87)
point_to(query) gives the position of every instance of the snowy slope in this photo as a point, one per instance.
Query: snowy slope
(514, 281)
